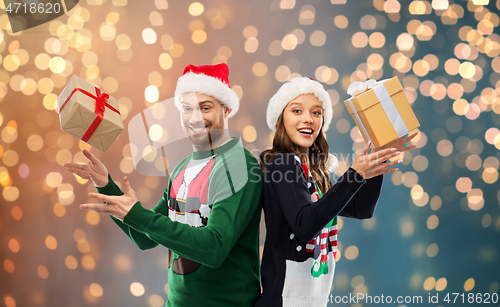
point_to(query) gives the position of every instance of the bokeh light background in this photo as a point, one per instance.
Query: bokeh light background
(437, 225)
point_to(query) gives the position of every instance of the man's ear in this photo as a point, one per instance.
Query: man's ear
(227, 111)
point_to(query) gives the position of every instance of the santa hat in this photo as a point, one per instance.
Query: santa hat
(211, 80)
(291, 90)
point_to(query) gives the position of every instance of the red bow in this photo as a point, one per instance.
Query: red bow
(100, 106)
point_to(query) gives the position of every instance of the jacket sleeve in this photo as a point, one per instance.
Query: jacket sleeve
(209, 245)
(362, 205)
(305, 217)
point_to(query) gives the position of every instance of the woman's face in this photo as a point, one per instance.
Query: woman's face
(303, 119)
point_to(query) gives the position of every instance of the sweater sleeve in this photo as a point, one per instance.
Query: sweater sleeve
(362, 205)
(209, 245)
(305, 217)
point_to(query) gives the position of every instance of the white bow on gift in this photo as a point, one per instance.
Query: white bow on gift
(357, 88)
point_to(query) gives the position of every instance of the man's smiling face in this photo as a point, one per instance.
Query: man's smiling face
(202, 119)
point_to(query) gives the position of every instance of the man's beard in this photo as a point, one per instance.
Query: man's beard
(205, 139)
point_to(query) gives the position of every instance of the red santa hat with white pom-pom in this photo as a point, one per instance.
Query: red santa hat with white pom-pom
(211, 80)
(291, 90)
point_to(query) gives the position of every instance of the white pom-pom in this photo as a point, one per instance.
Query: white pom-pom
(332, 163)
(356, 88)
(371, 83)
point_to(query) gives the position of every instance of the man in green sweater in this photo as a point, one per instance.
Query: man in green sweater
(209, 214)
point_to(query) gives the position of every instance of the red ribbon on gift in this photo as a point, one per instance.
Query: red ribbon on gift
(99, 109)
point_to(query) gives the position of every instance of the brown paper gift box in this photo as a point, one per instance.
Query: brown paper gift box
(78, 114)
(373, 116)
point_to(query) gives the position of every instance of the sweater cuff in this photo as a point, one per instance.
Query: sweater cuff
(110, 189)
(138, 217)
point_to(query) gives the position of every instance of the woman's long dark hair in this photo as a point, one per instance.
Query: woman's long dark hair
(315, 159)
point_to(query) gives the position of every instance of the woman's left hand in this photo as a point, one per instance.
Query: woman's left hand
(398, 144)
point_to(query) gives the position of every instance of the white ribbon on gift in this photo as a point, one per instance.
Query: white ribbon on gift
(385, 101)
(390, 110)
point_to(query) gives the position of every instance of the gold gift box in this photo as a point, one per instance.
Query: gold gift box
(386, 120)
(79, 113)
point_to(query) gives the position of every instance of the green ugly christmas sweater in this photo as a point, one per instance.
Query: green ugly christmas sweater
(208, 218)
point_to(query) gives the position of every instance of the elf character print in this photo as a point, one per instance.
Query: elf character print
(329, 233)
(188, 204)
